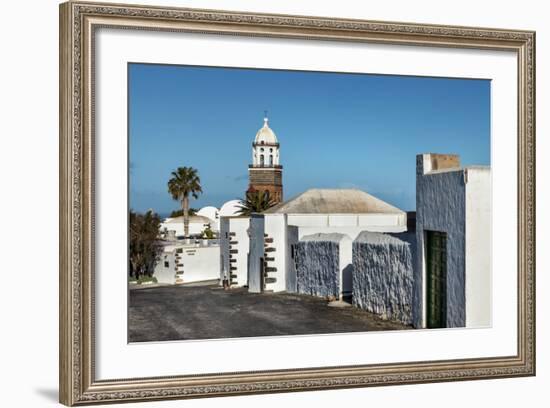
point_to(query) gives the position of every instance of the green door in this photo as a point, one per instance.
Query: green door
(436, 271)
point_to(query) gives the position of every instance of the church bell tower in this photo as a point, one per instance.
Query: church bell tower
(265, 173)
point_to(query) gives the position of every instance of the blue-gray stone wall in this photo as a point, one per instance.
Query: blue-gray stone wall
(383, 275)
(290, 276)
(256, 254)
(440, 206)
(318, 264)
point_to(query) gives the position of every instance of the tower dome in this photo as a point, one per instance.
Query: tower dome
(265, 135)
(266, 173)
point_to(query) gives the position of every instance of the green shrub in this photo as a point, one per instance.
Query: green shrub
(208, 233)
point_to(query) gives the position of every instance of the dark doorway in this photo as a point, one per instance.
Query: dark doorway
(436, 275)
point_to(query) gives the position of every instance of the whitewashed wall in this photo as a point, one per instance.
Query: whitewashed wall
(199, 263)
(276, 229)
(188, 263)
(166, 274)
(478, 247)
(350, 224)
(234, 241)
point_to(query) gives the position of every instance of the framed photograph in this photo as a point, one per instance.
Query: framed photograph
(254, 203)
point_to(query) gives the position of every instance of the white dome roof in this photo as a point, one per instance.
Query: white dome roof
(265, 135)
(230, 208)
(209, 211)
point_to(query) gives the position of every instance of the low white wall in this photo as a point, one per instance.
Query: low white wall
(199, 264)
(188, 263)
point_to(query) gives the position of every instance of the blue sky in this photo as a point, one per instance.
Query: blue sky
(335, 130)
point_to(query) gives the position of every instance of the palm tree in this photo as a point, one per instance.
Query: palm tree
(256, 202)
(184, 182)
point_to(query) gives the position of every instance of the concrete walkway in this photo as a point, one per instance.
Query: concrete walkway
(209, 312)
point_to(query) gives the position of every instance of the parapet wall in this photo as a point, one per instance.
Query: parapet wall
(318, 269)
(383, 275)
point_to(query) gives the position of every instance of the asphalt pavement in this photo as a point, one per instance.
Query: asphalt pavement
(209, 312)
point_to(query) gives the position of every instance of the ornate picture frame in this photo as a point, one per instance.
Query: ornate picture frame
(78, 24)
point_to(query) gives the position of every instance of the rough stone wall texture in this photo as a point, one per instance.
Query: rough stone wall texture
(383, 275)
(257, 228)
(440, 206)
(416, 301)
(318, 264)
(292, 240)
